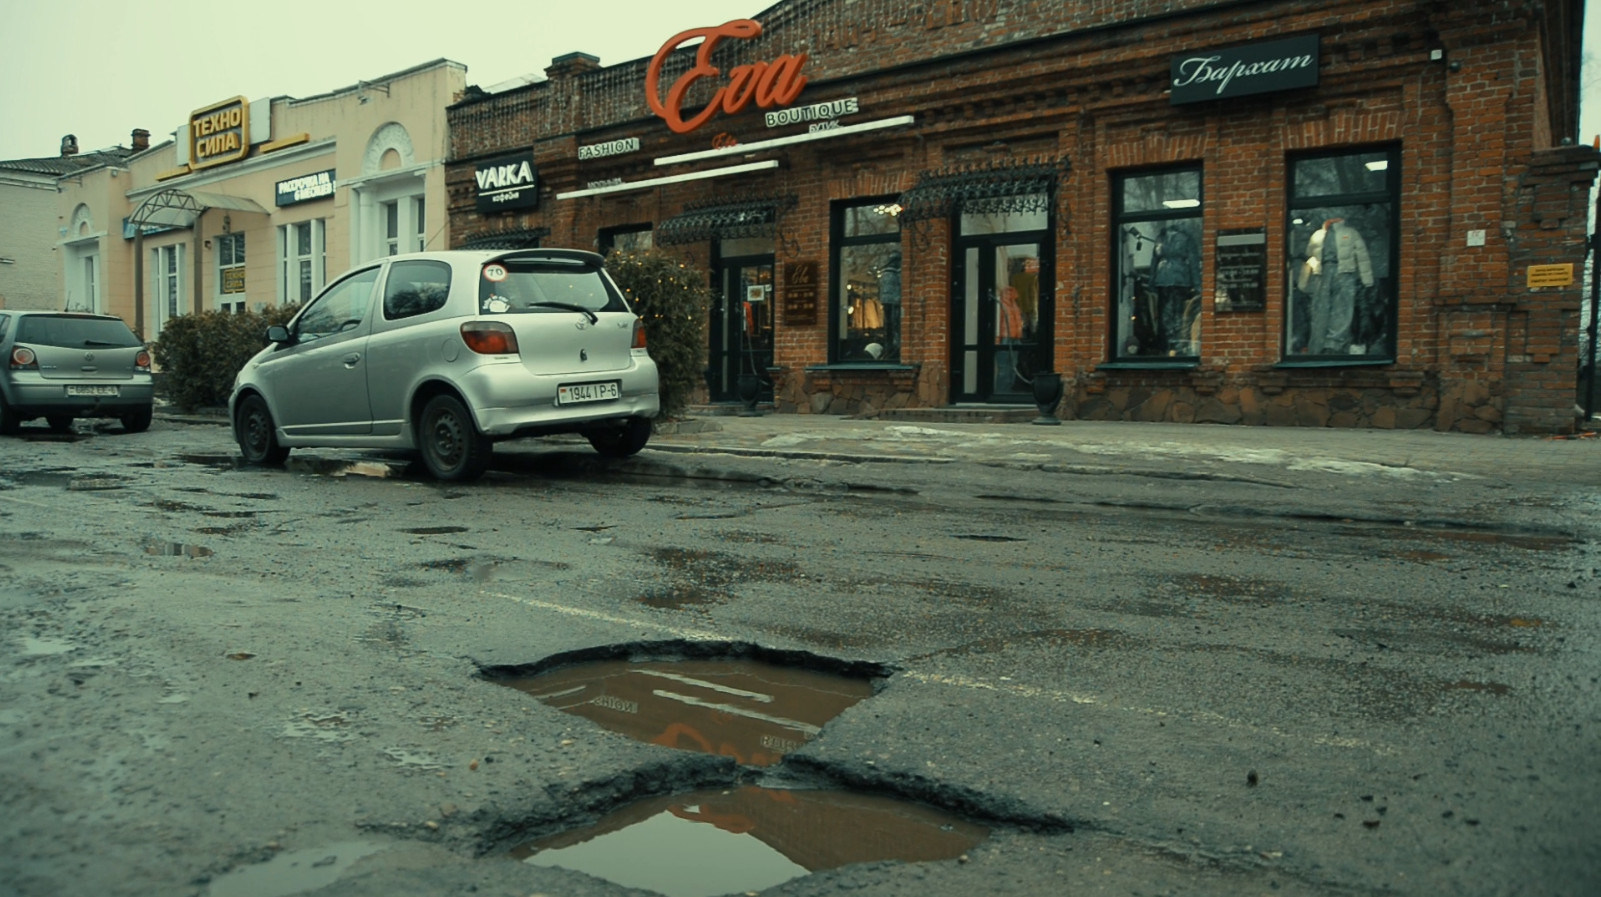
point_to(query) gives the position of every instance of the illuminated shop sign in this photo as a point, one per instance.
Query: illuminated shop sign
(507, 182)
(609, 148)
(305, 189)
(1262, 67)
(769, 84)
(817, 112)
(219, 133)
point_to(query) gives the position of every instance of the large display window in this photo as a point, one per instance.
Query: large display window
(866, 288)
(1158, 261)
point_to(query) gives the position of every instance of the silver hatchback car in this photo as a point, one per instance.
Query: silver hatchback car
(65, 365)
(445, 353)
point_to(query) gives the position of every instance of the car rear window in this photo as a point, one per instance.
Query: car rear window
(72, 332)
(522, 286)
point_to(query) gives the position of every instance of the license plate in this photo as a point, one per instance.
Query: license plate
(93, 391)
(575, 393)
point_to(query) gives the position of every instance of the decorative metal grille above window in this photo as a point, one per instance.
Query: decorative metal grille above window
(528, 238)
(760, 217)
(992, 189)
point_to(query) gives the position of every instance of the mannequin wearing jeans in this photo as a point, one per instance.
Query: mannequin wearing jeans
(1337, 262)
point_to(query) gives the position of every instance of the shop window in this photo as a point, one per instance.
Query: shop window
(230, 268)
(629, 238)
(1340, 302)
(391, 212)
(865, 294)
(1158, 266)
(166, 264)
(302, 260)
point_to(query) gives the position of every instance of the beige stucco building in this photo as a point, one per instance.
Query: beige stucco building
(258, 202)
(32, 273)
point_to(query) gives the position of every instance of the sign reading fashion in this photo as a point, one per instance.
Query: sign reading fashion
(770, 84)
(507, 182)
(1247, 69)
(219, 133)
(609, 148)
(304, 189)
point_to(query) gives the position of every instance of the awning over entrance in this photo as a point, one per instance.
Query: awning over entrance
(757, 217)
(986, 189)
(528, 238)
(177, 207)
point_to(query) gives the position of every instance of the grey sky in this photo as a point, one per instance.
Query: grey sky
(100, 68)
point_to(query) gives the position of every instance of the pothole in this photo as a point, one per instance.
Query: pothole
(746, 839)
(748, 709)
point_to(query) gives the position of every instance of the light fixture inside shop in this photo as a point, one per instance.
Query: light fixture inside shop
(1181, 203)
(1378, 165)
(890, 209)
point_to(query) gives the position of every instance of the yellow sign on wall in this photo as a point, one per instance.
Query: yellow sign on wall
(219, 133)
(1550, 275)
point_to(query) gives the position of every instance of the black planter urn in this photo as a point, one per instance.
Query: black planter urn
(1047, 395)
(750, 390)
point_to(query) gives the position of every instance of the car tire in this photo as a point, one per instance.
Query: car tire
(258, 436)
(138, 421)
(9, 424)
(448, 439)
(622, 441)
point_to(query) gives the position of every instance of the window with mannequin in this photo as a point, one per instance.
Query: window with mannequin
(1340, 290)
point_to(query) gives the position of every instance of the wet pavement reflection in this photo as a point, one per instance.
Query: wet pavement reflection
(745, 839)
(752, 711)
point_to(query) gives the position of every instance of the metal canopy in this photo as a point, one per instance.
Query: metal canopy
(756, 217)
(983, 189)
(177, 207)
(528, 238)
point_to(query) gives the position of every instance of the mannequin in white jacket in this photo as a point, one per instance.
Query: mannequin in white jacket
(1333, 269)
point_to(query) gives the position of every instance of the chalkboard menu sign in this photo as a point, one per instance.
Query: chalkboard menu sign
(800, 294)
(1241, 270)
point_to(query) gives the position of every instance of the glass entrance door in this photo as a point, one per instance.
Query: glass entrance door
(997, 315)
(741, 327)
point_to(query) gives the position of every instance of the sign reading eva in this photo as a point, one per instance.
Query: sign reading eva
(1262, 67)
(507, 182)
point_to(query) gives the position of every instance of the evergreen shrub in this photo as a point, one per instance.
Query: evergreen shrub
(672, 297)
(199, 354)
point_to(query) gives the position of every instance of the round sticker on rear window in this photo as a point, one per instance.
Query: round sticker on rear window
(494, 273)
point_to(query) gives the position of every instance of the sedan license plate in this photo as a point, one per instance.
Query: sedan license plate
(575, 393)
(93, 391)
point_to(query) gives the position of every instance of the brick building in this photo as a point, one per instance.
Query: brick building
(1357, 214)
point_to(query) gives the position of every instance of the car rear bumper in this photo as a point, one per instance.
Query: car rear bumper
(49, 397)
(507, 402)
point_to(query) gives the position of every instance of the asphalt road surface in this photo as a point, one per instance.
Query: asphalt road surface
(218, 680)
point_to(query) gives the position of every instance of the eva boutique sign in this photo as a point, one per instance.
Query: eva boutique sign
(1262, 67)
(770, 84)
(507, 182)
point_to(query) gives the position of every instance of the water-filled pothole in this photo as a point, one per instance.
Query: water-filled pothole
(751, 710)
(746, 839)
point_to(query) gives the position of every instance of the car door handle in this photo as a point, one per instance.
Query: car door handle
(351, 359)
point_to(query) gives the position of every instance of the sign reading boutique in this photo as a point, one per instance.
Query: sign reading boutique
(1262, 67)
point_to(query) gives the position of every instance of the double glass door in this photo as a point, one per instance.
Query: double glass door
(741, 327)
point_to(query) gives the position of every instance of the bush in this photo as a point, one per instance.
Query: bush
(672, 297)
(199, 354)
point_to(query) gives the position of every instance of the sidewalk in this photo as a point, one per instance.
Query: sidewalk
(1574, 461)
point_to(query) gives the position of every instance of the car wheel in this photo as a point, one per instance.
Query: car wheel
(59, 423)
(623, 441)
(451, 445)
(258, 438)
(137, 421)
(8, 419)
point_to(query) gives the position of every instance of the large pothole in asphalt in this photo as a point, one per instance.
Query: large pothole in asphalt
(745, 839)
(749, 704)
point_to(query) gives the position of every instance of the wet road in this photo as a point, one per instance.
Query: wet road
(223, 681)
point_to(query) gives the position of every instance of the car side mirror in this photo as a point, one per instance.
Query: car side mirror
(277, 333)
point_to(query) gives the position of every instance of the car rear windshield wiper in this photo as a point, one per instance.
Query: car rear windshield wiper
(102, 343)
(593, 318)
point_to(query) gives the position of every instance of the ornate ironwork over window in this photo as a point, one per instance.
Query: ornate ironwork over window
(983, 189)
(528, 238)
(723, 220)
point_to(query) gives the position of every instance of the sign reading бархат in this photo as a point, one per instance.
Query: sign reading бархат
(1262, 67)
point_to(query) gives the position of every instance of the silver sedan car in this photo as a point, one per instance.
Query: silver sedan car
(445, 353)
(66, 365)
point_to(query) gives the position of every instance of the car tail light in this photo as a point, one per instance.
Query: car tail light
(142, 361)
(22, 358)
(489, 337)
(639, 333)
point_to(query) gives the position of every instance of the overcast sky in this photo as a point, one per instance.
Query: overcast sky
(100, 68)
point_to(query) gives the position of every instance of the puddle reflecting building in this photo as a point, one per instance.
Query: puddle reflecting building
(1361, 215)
(258, 202)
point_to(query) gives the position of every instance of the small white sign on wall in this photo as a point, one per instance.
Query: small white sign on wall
(1476, 237)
